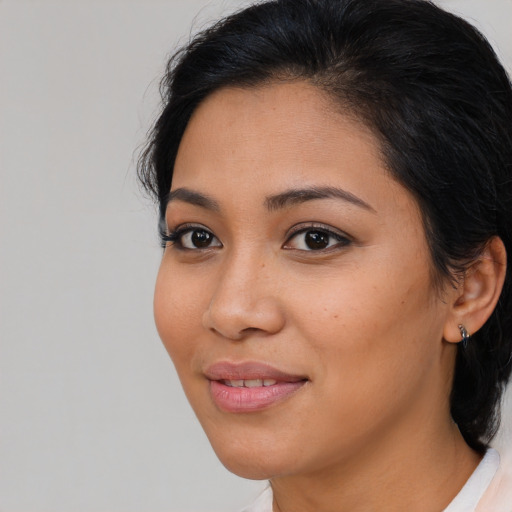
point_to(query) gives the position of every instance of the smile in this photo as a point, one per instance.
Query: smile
(250, 387)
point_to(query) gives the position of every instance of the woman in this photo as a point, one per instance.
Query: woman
(335, 188)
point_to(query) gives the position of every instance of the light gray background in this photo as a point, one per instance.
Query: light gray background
(92, 417)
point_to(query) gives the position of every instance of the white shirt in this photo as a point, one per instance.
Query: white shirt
(488, 489)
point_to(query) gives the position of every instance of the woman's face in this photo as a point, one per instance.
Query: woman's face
(295, 296)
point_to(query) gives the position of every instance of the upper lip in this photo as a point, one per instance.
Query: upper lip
(248, 370)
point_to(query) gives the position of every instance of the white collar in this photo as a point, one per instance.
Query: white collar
(477, 484)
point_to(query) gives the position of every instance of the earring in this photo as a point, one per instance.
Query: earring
(465, 336)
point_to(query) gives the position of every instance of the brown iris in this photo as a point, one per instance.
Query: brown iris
(316, 240)
(201, 238)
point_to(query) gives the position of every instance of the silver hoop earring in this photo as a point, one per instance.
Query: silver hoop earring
(465, 336)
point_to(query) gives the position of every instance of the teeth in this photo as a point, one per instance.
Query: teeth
(253, 383)
(250, 383)
(235, 383)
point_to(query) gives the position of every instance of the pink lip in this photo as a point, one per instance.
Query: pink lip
(249, 399)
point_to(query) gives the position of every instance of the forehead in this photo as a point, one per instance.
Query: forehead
(263, 125)
(257, 141)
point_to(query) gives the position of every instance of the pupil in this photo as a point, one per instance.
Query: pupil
(317, 240)
(201, 238)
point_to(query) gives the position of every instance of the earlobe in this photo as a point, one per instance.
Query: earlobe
(478, 292)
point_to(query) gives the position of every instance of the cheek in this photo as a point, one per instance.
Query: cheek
(177, 309)
(372, 330)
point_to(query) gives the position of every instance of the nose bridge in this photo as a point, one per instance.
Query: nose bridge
(245, 298)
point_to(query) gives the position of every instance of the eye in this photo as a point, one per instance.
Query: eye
(192, 238)
(198, 239)
(315, 239)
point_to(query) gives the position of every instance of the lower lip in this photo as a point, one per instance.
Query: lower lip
(239, 400)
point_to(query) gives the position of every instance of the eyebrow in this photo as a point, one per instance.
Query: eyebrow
(293, 197)
(190, 196)
(275, 202)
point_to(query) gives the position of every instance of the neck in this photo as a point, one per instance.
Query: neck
(421, 472)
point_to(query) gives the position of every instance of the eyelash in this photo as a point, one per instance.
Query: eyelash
(342, 240)
(175, 236)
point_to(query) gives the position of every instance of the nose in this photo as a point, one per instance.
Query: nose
(245, 301)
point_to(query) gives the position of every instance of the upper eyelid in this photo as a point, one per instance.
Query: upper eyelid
(300, 228)
(166, 231)
(185, 226)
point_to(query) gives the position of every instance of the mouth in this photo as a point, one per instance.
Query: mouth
(251, 386)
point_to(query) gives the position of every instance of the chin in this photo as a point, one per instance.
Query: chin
(248, 470)
(255, 461)
(252, 468)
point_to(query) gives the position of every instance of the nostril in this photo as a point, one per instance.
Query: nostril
(251, 330)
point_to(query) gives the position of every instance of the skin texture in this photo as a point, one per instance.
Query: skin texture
(370, 429)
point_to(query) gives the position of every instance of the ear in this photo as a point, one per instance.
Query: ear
(478, 292)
